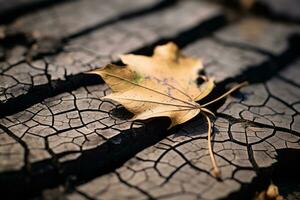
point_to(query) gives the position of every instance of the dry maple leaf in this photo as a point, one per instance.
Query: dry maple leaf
(162, 85)
(169, 65)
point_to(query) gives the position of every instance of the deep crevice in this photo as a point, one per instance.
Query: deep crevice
(283, 174)
(37, 94)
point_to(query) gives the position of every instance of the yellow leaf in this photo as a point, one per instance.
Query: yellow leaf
(167, 63)
(162, 85)
(148, 97)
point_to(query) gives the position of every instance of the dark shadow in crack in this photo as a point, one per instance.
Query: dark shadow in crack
(39, 93)
(284, 174)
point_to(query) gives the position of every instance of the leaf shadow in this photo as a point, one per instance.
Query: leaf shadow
(121, 113)
(194, 127)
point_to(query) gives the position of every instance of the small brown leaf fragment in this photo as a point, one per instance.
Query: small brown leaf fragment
(164, 84)
(271, 193)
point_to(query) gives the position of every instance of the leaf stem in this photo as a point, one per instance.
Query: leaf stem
(215, 171)
(208, 111)
(226, 93)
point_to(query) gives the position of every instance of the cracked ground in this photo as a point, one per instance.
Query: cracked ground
(59, 140)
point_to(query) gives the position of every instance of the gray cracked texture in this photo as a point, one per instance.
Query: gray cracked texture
(59, 140)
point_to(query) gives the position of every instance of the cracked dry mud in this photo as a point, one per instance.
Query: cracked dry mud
(58, 140)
